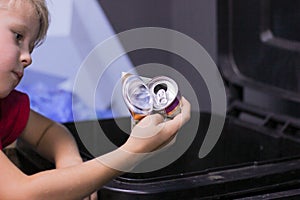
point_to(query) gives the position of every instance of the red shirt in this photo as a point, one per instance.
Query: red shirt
(14, 114)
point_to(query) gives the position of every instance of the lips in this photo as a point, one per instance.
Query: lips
(19, 74)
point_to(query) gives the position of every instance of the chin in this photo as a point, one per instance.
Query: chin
(4, 93)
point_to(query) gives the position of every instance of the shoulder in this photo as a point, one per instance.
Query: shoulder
(14, 114)
(15, 104)
(16, 97)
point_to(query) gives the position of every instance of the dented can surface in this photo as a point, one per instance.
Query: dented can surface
(137, 96)
(144, 96)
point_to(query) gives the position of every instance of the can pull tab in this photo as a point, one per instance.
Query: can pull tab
(161, 97)
(161, 94)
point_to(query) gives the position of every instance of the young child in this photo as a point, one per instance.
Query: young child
(23, 26)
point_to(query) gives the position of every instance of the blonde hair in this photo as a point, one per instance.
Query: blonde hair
(43, 14)
(40, 6)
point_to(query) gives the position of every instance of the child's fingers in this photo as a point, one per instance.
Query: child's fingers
(157, 118)
(172, 126)
(185, 114)
(185, 110)
(150, 120)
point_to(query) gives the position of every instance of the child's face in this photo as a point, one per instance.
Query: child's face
(19, 26)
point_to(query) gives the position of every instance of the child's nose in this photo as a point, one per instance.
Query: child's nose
(26, 59)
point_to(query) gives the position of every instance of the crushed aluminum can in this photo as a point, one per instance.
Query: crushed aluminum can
(144, 96)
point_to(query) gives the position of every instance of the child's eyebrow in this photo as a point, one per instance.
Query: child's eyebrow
(22, 27)
(19, 25)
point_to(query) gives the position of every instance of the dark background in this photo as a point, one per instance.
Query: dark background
(195, 18)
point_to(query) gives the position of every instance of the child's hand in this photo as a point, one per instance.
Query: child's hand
(150, 134)
(153, 132)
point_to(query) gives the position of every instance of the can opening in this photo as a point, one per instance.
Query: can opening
(160, 87)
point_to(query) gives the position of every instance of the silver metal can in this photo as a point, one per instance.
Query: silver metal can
(166, 96)
(136, 96)
(144, 96)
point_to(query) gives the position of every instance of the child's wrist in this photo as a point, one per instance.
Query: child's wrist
(121, 159)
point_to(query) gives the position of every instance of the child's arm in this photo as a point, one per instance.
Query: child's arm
(78, 181)
(74, 182)
(52, 140)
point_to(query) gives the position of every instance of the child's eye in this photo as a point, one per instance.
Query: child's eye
(18, 36)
